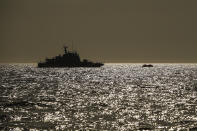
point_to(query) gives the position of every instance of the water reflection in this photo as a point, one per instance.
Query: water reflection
(113, 97)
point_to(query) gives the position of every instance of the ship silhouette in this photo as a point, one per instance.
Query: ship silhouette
(68, 59)
(147, 65)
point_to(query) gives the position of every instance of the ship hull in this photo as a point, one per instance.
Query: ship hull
(44, 65)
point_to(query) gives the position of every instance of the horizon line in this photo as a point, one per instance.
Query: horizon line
(112, 63)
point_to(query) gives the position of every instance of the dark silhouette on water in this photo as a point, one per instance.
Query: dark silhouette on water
(68, 59)
(149, 65)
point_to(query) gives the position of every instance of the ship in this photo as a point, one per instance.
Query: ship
(147, 65)
(68, 59)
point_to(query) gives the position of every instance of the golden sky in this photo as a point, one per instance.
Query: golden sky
(102, 30)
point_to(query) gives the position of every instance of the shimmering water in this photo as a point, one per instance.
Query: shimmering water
(113, 97)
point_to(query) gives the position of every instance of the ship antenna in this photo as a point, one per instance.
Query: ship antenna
(65, 49)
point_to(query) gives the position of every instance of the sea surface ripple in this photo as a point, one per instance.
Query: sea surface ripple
(113, 97)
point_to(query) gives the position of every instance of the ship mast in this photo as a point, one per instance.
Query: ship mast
(65, 49)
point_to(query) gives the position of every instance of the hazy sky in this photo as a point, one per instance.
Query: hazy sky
(102, 30)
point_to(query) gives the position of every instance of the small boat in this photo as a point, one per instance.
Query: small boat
(147, 65)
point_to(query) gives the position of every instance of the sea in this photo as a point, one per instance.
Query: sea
(115, 97)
